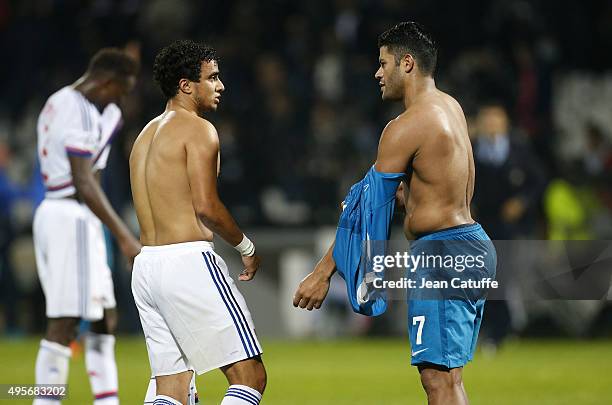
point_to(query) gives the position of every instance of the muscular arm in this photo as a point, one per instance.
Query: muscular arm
(89, 190)
(202, 150)
(398, 145)
(394, 153)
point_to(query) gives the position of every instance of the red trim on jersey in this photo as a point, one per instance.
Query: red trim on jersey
(107, 394)
(59, 187)
(78, 151)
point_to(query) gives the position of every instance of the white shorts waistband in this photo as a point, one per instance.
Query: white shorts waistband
(68, 206)
(199, 245)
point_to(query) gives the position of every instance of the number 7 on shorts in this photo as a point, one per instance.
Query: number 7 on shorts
(421, 321)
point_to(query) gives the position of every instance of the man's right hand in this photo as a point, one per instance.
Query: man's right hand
(130, 247)
(312, 291)
(400, 196)
(251, 265)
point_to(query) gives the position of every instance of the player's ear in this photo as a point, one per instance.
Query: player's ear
(185, 86)
(407, 63)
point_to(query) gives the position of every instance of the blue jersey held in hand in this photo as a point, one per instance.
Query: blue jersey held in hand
(363, 229)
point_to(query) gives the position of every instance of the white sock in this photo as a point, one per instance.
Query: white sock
(241, 395)
(165, 400)
(152, 392)
(193, 392)
(102, 368)
(52, 365)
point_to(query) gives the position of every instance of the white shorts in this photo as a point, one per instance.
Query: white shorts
(192, 314)
(71, 260)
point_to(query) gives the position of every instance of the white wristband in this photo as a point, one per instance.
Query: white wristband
(245, 247)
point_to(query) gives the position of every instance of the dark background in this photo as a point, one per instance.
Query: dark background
(301, 115)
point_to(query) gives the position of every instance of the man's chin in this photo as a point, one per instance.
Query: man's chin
(390, 97)
(203, 110)
(212, 107)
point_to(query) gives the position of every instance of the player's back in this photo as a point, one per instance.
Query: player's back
(160, 184)
(441, 173)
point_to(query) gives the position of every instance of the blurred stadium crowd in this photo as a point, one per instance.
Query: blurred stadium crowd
(301, 115)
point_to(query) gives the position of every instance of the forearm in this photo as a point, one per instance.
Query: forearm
(217, 218)
(327, 264)
(93, 196)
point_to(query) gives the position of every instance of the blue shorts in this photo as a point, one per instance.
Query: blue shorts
(444, 328)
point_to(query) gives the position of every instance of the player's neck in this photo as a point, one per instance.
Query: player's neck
(87, 87)
(181, 103)
(417, 88)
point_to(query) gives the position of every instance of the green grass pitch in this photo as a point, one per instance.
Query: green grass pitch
(366, 371)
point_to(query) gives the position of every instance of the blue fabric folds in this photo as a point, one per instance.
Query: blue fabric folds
(362, 233)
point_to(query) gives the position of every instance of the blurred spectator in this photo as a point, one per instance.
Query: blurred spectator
(509, 184)
(598, 157)
(510, 179)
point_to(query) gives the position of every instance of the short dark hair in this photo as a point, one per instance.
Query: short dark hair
(180, 60)
(114, 61)
(410, 37)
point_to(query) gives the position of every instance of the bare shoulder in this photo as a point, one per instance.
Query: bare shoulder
(427, 116)
(400, 141)
(207, 130)
(413, 126)
(452, 101)
(410, 125)
(197, 130)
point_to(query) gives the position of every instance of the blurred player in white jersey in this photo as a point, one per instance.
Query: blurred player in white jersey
(75, 130)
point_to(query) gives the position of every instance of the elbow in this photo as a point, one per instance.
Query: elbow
(206, 212)
(83, 186)
(210, 221)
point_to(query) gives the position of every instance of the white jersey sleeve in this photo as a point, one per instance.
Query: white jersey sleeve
(80, 135)
(110, 124)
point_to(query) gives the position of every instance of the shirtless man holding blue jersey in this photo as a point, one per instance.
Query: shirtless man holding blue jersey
(429, 143)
